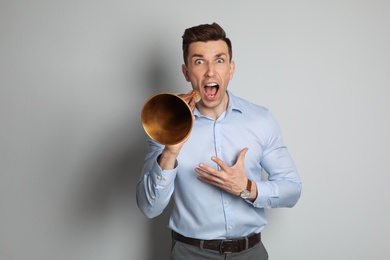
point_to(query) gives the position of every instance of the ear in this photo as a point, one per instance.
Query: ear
(184, 69)
(232, 69)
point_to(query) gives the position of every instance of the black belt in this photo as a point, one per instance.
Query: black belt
(224, 246)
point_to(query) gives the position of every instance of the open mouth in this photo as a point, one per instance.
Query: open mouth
(211, 90)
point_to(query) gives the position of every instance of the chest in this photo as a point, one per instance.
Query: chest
(224, 139)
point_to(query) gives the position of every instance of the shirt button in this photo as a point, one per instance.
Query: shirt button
(226, 202)
(165, 178)
(219, 148)
(153, 197)
(159, 177)
(230, 227)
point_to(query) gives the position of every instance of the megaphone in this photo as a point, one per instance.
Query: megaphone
(167, 118)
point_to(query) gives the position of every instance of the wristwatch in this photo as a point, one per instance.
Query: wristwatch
(245, 193)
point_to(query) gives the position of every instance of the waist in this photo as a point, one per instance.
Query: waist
(224, 246)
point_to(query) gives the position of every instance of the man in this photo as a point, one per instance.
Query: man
(214, 176)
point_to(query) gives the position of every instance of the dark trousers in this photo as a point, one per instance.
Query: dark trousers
(182, 251)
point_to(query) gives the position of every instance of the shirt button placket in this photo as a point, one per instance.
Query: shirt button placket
(229, 223)
(218, 141)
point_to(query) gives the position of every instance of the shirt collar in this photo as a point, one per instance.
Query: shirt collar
(233, 105)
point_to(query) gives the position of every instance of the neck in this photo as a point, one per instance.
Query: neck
(216, 111)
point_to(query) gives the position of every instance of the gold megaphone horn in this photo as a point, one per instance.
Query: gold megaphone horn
(167, 118)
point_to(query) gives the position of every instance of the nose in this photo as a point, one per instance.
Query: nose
(210, 70)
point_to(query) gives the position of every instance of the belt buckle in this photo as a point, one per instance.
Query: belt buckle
(221, 247)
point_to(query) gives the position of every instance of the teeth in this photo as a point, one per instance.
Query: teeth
(211, 84)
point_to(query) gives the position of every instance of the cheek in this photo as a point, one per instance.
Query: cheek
(195, 76)
(227, 75)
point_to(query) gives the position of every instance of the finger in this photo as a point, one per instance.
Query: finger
(191, 104)
(206, 169)
(241, 156)
(209, 178)
(220, 163)
(201, 171)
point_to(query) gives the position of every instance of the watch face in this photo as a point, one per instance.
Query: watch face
(245, 194)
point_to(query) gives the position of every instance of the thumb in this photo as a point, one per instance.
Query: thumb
(241, 156)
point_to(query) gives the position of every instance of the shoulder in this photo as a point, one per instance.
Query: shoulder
(246, 107)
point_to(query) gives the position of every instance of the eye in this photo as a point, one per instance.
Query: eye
(220, 60)
(199, 62)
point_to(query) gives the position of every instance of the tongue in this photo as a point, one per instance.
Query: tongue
(211, 90)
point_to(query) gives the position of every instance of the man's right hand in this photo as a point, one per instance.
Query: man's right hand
(169, 154)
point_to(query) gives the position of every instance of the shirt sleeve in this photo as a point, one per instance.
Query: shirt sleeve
(155, 187)
(283, 187)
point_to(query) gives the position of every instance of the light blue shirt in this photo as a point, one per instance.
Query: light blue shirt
(203, 211)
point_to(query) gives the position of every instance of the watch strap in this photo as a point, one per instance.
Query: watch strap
(249, 185)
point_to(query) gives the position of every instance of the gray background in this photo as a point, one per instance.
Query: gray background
(74, 77)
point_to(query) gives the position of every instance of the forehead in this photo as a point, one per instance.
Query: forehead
(208, 49)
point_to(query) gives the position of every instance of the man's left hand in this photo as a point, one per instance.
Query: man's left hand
(231, 179)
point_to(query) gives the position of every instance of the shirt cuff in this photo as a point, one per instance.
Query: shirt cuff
(162, 177)
(267, 195)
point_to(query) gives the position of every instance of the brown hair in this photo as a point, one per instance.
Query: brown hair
(204, 33)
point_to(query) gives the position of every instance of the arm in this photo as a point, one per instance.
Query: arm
(283, 187)
(156, 184)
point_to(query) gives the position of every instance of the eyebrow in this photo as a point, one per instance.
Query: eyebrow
(196, 55)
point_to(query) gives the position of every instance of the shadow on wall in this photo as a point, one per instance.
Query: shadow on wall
(159, 237)
(111, 174)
